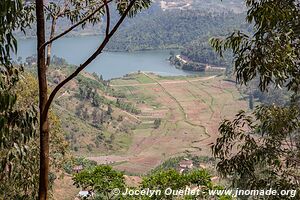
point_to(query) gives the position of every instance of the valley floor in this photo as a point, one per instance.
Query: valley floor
(190, 109)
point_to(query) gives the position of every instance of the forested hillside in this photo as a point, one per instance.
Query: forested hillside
(200, 51)
(173, 29)
(236, 6)
(198, 54)
(95, 118)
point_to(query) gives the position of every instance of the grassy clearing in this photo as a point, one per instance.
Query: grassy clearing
(142, 78)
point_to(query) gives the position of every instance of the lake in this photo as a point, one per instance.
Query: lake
(109, 64)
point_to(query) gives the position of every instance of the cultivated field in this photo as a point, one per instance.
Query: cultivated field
(190, 109)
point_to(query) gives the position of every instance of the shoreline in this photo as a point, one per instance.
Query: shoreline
(105, 50)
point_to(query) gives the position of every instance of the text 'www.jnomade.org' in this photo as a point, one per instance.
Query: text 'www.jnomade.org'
(200, 192)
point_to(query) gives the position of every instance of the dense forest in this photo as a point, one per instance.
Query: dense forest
(197, 55)
(173, 29)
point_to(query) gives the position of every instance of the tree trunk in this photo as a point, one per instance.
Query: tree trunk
(53, 25)
(44, 124)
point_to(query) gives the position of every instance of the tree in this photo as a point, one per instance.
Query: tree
(109, 110)
(157, 123)
(101, 180)
(17, 123)
(14, 15)
(267, 154)
(125, 8)
(162, 180)
(17, 127)
(173, 29)
(95, 116)
(19, 177)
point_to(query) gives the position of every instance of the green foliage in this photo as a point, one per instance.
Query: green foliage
(138, 6)
(101, 180)
(267, 154)
(276, 26)
(19, 151)
(268, 151)
(74, 11)
(277, 96)
(17, 127)
(90, 94)
(14, 14)
(127, 106)
(88, 90)
(200, 178)
(163, 180)
(201, 53)
(88, 82)
(171, 29)
(90, 147)
(17, 123)
(57, 61)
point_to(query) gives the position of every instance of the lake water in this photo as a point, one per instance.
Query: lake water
(109, 64)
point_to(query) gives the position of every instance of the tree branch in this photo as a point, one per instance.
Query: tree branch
(107, 18)
(49, 47)
(88, 61)
(74, 26)
(79, 9)
(51, 13)
(62, 12)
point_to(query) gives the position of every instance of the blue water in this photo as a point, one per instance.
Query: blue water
(109, 64)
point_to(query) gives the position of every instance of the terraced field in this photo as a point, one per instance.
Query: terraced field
(190, 109)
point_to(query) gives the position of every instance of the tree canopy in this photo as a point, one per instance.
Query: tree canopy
(261, 150)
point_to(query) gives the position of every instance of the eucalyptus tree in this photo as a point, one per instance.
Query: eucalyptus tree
(20, 152)
(79, 12)
(14, 15)
(17, 124)
(261, 150)
(17, 128)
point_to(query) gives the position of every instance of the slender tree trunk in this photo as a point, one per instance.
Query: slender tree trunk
(44, 124)
(49, 47)
(44, 101)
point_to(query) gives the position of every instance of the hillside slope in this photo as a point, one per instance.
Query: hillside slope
(172, 29)
(93, 117)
